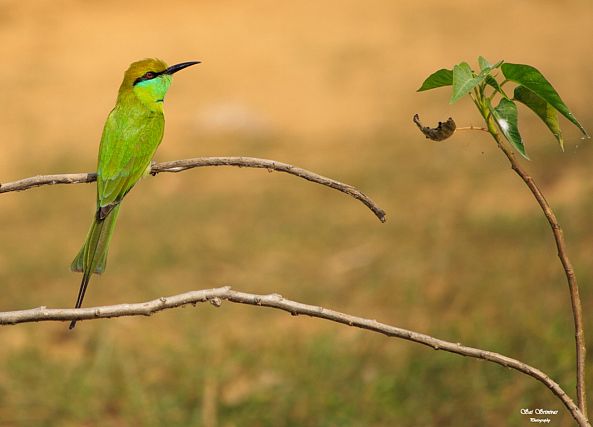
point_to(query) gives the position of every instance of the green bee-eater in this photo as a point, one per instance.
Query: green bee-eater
(132, 133)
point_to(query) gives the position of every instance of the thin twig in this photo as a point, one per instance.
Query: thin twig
(39, 180)
(181, 165)
(472, 128)
(217, 295)
(573, 287)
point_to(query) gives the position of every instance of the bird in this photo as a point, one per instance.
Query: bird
(132, 132)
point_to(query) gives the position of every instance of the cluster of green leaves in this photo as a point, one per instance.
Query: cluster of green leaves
(533, 90)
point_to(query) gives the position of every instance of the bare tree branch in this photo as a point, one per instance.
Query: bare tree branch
(181, 165)
(216, 295)
(558, 234)
(573, 287)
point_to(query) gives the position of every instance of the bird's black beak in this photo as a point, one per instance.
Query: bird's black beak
(177, 67)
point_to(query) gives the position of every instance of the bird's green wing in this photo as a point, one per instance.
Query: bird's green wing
(127, 147)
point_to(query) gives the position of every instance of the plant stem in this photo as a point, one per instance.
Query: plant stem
(573, 287)
(472, 128)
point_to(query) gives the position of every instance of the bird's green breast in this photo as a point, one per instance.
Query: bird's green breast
(130, 138)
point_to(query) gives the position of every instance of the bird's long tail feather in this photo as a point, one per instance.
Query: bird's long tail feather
(92, 257)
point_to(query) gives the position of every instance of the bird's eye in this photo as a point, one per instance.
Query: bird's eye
(149, 75)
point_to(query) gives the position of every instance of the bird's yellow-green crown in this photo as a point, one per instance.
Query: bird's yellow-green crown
(139, 68)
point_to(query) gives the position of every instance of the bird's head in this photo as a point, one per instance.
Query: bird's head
(149, 79)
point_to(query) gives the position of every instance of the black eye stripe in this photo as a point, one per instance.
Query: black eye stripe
(149, 75)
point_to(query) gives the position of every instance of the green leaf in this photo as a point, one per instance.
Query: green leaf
(543, 109)
(532, 79)
(490, 80)
(505, 115)
(463, 81)
(484, 64)
(497, 65)
(442, 77)
(486, 68)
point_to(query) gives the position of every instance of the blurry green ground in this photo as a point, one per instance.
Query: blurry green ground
(462, 257)
(326, 85)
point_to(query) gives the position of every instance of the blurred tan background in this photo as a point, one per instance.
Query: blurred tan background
(325, 85)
